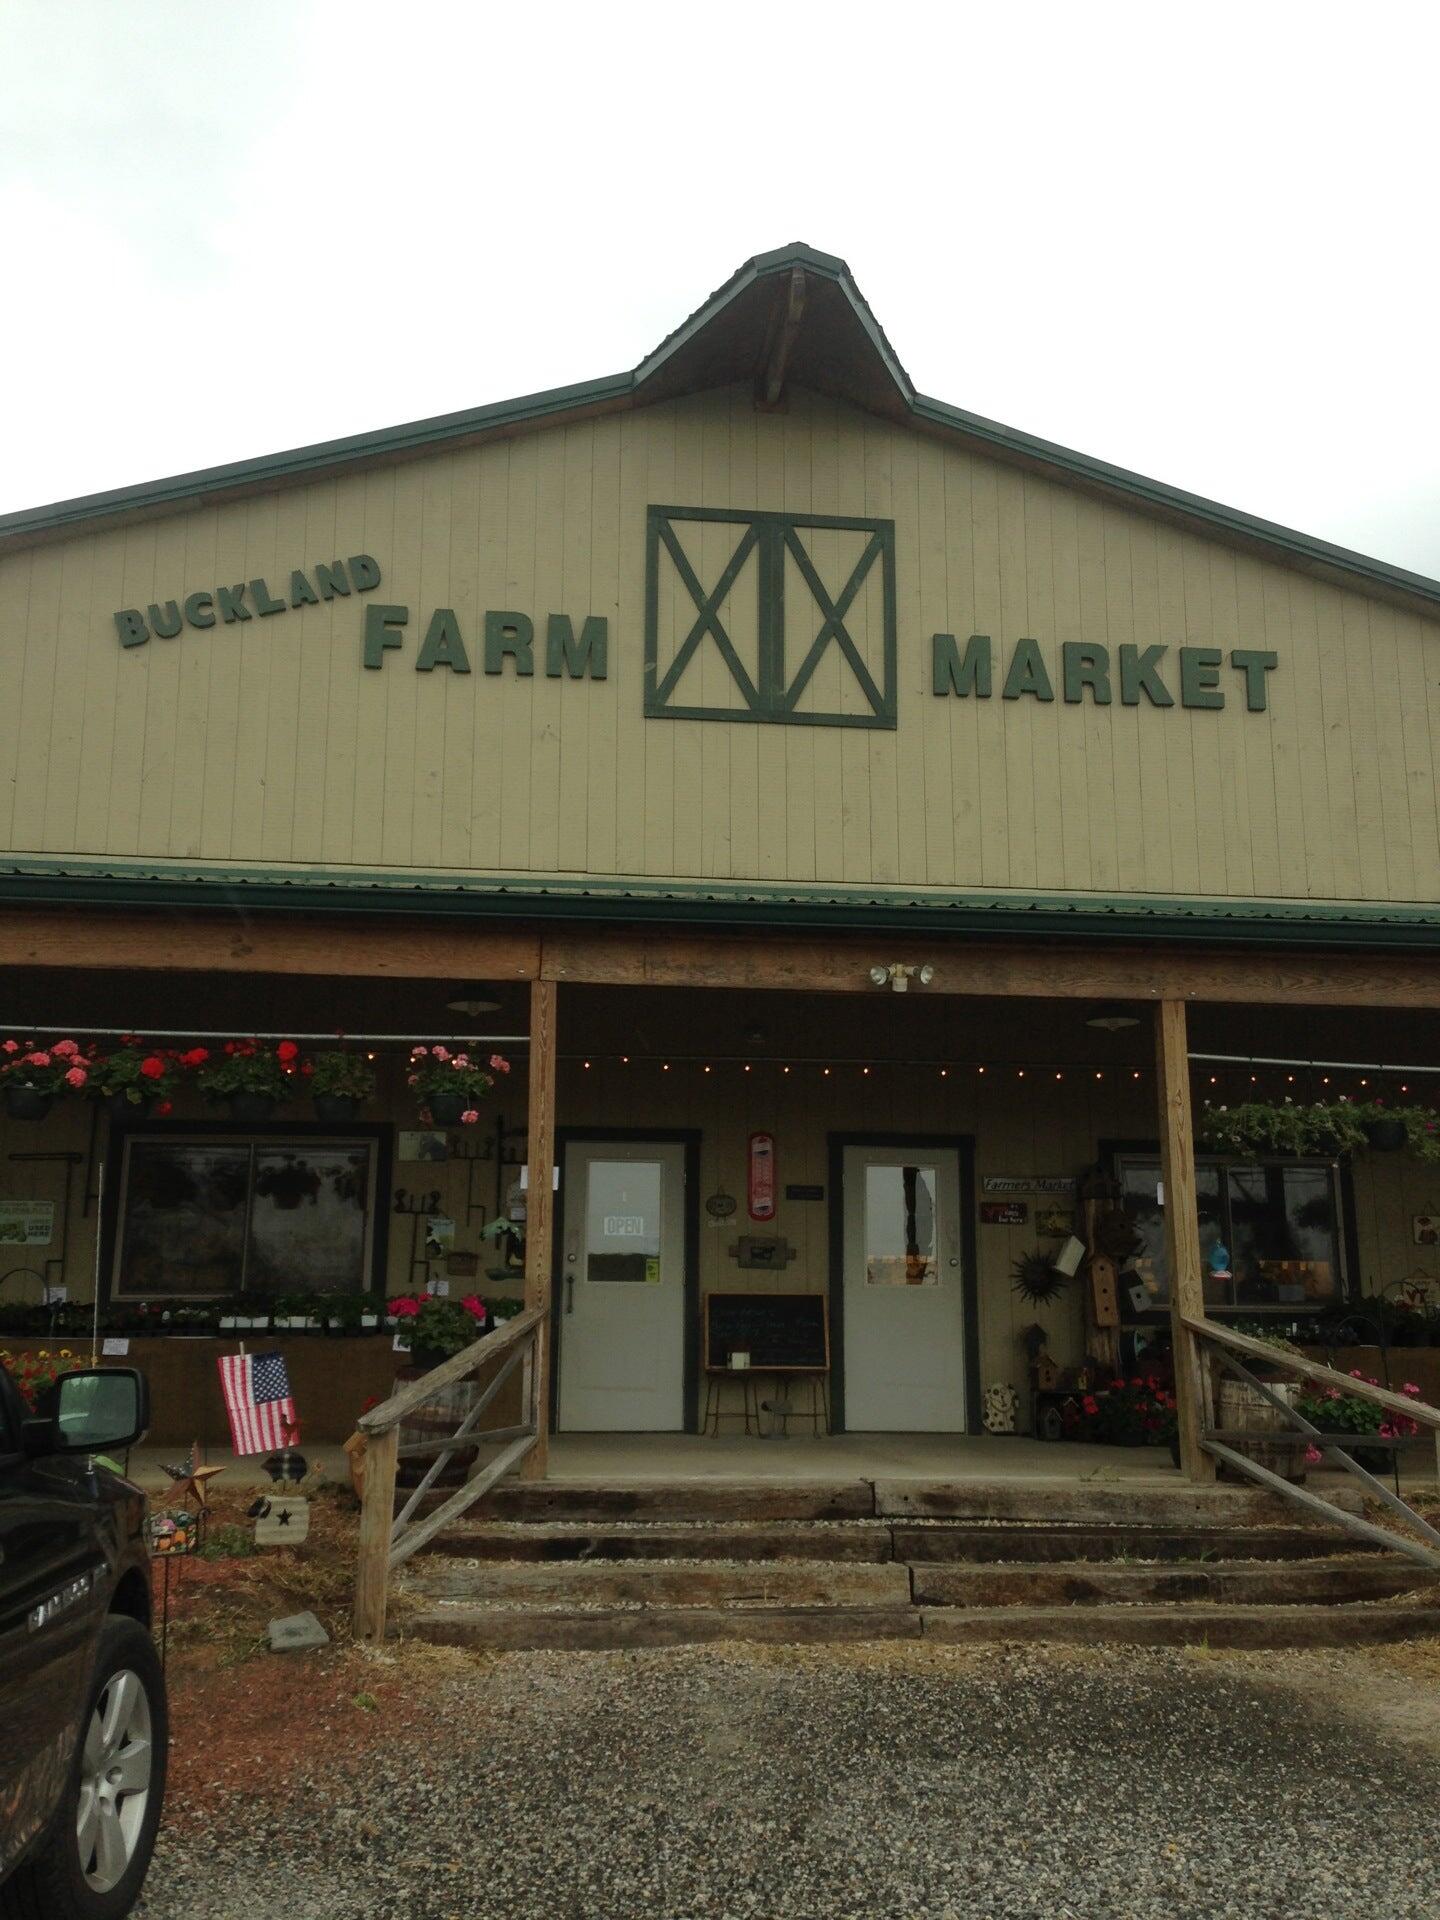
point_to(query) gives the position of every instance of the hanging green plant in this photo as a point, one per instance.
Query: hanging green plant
(1036, 1278)
(1324, 1129)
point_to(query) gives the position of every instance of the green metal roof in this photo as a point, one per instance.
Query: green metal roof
(1091, 917)
(843, 350)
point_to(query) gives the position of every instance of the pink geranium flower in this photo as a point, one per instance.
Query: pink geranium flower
(499, 1063)
(64, 1049)
(37, 1060)
(76, 1077)
(469, 1117)
(442, 1053)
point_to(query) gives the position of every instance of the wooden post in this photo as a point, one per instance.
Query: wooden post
(377, 1518)
(1182, 1233)
(540, 1211)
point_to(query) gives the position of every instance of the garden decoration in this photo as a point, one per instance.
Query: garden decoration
(450, 1085)
(192, 1478)
(1339, 1414)
(1036, 1278)
(252, 1078)
(340, 1084)
(32, 1076)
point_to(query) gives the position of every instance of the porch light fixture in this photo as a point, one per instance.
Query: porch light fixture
(1111, 1019)
(898, 975)
(472, 1001)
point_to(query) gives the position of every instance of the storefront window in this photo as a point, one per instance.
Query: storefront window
(243, 1216)
(1278, 1220)
(900, 1227)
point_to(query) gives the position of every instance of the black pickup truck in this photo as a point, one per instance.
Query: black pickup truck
(83, 1724)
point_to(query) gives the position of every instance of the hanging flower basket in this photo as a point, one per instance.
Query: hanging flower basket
(449, 1086)
(27, 1103)
(250, 1078)
(341, 1082)
(32, 1075)
(1386, 1135)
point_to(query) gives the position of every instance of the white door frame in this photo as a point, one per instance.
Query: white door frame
(689, 1139)
(962, 1145)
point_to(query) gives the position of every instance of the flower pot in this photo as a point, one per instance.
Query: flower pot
(334, 1108)
(426, 1358)
(28, 1103)
(251, 1107)
(446, 1108)
(120, 1106)
(1385, 1136)
(369, 1319)
(229, 1322)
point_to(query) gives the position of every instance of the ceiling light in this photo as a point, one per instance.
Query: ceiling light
(1111, 1019)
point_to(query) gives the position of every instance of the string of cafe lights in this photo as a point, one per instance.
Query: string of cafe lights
(1231, 1077)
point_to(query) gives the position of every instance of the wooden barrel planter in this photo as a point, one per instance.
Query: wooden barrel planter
(1240, 1407)
(436, 1418)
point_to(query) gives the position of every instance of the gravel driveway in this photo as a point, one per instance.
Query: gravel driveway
(885, 1783)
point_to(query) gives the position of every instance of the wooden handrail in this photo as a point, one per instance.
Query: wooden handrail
(387, 1539)
(478, 1354)
(1417, 1410)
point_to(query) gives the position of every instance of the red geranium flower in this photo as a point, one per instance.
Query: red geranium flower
(164, 1109)
(153, 1067)
(286, 1051)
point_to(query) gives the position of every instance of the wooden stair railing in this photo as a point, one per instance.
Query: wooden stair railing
(388, 1538)
(1224, 1346)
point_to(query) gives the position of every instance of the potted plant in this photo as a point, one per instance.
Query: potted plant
(341, 1312)
(137, 1080)
(1399, 1129)
(35, 1374)
(372, 1308)
(300, 1312)
(253, 1078)
(449, 1086)
(442, 1327)
(340, 1084)
(31, 1076)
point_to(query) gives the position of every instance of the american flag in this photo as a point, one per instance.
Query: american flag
(257, 1399)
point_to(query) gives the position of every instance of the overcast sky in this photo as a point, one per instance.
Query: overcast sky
(1195, 241)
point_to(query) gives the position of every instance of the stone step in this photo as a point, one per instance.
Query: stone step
(1260, 1583)
(517, 1629)
(662, 1583)
(876, 1540)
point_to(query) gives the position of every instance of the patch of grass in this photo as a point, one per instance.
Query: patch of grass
(228, 1542)
(366, 1702)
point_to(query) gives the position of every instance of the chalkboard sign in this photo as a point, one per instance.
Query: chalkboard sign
(782, 1330)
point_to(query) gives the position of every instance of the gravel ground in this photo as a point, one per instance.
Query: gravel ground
(896, 1782)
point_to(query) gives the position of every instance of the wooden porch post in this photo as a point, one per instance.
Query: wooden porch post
(1182, 1232)
(540, 1213)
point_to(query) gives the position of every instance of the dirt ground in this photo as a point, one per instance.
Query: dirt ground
(898, 1781)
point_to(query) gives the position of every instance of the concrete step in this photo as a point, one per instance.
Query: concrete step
(1249, 1583)
(662, 1583)
(518, 1629)
(876, 1540)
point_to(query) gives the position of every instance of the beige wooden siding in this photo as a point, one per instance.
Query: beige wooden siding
(267, 742)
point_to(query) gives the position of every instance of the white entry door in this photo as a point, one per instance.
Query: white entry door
(622, 1288)
(904, 1291)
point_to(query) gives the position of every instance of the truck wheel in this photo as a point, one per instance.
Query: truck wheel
(91, 1863)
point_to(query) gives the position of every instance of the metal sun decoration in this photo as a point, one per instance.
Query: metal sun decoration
(1036, 1278)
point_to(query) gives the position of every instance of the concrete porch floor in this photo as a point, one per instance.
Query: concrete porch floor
(635, 1459)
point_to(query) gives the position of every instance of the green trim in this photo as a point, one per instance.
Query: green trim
(627, 389)
(1143, 918)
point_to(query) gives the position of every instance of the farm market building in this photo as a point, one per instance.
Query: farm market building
(874, 836)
